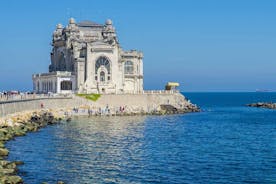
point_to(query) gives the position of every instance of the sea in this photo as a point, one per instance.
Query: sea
(227, 142)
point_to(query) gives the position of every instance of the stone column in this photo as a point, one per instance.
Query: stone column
(80, 74)
(58, 85)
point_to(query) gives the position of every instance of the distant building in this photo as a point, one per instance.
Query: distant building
(86, 58)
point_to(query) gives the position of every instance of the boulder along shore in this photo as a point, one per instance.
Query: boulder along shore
(18, 124)
(263, 105)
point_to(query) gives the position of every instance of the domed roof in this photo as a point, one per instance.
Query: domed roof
(108, 22)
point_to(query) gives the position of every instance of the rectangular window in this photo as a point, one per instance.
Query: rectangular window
(83, 53)
(129, 67)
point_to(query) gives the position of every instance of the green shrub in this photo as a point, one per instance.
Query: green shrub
(93, 97)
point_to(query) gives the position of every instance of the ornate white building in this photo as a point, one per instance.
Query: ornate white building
(87, 58)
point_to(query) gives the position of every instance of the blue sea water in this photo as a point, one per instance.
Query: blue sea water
(225, 143)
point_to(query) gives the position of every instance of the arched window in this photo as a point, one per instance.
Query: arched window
(129, 67)
(102, 61)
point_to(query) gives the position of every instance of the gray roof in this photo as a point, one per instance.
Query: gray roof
(88, 23)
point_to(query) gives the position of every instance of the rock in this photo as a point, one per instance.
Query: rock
(3, 163)
(29, 126)
(19, 130)
(3, 131)
(8, 165)
(11, 180)
(2, 145)
(60, 182)
(7, 171)
(4, 152)
(35, 118)
(4, 134)
(263, 105)
(18, 162)
(10, 133)
(11, 165)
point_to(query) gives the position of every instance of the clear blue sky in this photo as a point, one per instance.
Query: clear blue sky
(206, 45)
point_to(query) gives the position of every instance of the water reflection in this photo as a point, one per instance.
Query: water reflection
(97, 149)
(228, 144)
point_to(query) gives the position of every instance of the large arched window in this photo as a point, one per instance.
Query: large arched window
(102, 61)
(129, 67)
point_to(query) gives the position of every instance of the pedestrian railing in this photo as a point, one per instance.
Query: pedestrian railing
(23, 97)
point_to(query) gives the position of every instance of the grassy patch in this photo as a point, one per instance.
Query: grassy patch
(93, 97)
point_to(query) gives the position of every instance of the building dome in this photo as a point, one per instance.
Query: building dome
(108, 22)
(72, 21)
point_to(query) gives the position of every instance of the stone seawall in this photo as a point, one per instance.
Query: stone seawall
(132, 102)
(145, 102)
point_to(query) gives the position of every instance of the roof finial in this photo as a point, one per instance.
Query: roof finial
(72, 21)
(108, 22)
(59, 26)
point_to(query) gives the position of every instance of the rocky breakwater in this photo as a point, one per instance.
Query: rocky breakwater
(18, 125)
(263, 105)
(169, 109)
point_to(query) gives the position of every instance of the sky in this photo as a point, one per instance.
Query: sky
(205, 45)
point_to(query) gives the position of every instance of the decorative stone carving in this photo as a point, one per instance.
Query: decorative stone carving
(76, 50)
(57, 35)
(109, 33)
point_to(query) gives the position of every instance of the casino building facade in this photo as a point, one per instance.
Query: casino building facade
(86, 58)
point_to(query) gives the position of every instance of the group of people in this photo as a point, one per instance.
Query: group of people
(13, 95)
(99, 111)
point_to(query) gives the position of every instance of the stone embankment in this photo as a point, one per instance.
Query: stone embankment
(263, 105)
(19, 124)
(131, 103)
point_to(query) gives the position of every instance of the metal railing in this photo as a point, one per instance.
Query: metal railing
(23, 97)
